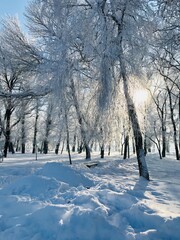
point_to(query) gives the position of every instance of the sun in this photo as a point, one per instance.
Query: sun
(140, 96)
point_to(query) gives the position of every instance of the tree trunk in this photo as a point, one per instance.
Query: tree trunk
(143, 170)
(62, 149)
(74, 144)
(57, 148)
(23, 146)
(17, 145)
(7, 132)
(67, 135)
(133, 146)
(48, 126)
(174, 125)
(102, 151)
(126, 147)
(45, 146)
(46, 142)
(145, 145)
(88, 152)
(109, 150)
(80, 148)
(163, 139)
(81, 123)
(163, 128)
(35, 130)
(11, 148)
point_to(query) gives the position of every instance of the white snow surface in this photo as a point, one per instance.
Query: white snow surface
(49, 199)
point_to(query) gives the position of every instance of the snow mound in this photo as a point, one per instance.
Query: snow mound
(33, 185)
(65, 174)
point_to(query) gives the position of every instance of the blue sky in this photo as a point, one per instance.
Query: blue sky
(13, 7)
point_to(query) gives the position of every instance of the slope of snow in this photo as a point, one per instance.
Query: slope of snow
(50, 200)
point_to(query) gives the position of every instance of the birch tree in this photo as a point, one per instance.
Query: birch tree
(17, 60)
(167, 59)
(116, 33)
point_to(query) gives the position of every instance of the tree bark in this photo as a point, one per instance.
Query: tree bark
(126, 147)
(57, 148)
(7, 132)
(67, 135)
(88, 152)
(23, 145)
(48, 128)
(74, 144)
(45, 146)
(109, 150)
(17, 145)
(80, 120)
(80, 148)
(62, 149)
(174, 125)
(35, 129)
(102, 151)
(163, 140)
(133, 146)
(143, 170)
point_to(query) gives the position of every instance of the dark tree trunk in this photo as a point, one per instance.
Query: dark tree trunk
(88, 152)
(45, 147)
(47, 128)
(174, 125)
(159, 151)
(67, 136)
(126, 147)
(69, 152)
(163, 140)
(74, 144)
(23, 146)
(81, 122)
(102, 151)
(46, 142)
(11, 148)
(143, 170)
(80, 149)
(57, 148)
(7, 132)
(35, 130)
(145, 145)
(133, 146)
(58, 145)
(41, 148)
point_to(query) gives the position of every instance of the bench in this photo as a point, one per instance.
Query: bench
(91, 164)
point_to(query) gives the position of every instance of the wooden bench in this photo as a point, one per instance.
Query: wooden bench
(91, 164)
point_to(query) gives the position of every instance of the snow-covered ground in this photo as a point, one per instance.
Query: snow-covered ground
(48, 199)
